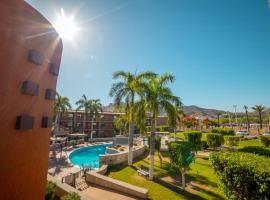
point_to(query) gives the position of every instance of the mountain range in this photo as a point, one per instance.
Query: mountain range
(189, 110)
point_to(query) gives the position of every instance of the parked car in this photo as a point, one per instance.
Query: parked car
(240, 133)
(267, 134)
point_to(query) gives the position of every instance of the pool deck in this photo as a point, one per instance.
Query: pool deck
(60, 166)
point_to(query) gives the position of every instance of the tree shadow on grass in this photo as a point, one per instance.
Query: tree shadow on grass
(177, 189)
(201, 180)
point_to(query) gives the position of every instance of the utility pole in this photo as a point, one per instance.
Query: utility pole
(230, 119)
(236, 122)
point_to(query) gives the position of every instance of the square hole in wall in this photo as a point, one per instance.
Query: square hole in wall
(30, 88)
(50, 94)
(54, 69)
(24, 122)
(46, 122)
(35, 57)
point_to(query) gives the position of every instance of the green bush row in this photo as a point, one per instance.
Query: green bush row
(256, 150)
(265, 140)
(242, 175)
(223, 131)
(214, 140)
(195, 139)
(158, 128)
(232, 140)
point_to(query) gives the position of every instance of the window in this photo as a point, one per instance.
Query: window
(69, 124)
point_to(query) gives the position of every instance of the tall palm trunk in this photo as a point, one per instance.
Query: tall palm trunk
(84, 121)
(174, 130)
(152, 148)
(92, 125)
(260, 115)
(57, 121)
(248, 125)
(130, 143)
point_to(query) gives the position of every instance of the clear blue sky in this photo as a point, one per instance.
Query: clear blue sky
(219, 50)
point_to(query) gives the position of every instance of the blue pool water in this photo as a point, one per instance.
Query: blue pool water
(88, 156)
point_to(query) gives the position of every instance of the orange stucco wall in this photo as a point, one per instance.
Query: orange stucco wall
(24, 153)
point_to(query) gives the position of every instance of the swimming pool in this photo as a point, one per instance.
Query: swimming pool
(88, 156)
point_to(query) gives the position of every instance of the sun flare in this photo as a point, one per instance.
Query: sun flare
(66, 26)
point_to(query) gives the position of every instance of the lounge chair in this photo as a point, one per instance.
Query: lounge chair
(143, 171)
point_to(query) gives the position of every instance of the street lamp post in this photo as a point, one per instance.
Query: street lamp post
(236, 121)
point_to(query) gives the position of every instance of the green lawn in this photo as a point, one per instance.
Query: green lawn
(252, 142)
(202, 183)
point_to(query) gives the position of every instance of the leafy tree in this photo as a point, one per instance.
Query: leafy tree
(49, 192)
(95, 108)
(247, 116)
(61, 105)
(83, 103)
(181, 157)
(259, 109)
(126, 90)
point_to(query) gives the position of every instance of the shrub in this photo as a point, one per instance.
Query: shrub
(71, 196)
(242, 175)
(256, 150)
(265, 140)
(214, 140)
(194, 137)
(49, 193)
(223, 131)
(204, 145)
(232, 140)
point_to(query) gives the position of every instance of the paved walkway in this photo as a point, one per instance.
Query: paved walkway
(98, 192)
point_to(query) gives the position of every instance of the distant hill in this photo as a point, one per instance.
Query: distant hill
(189, 110)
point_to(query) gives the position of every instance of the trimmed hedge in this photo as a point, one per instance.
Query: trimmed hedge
(195, 139)
(265, 140)
(71, 196)
(223, 131)
(214, 140)
(242, 175)
(232, 140)
(256, 150)
(158, 128)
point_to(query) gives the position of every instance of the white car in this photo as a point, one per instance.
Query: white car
(267, 134)
(240, 133)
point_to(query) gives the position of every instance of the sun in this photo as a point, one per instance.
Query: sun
(66, 26)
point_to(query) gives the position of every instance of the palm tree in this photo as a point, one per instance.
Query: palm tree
(125, 90)
(83, 103)
(246, 110)
(174, 121)
(158, 96)
(218, 117)
(259, 109)
(95, 107)
(61, 105)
